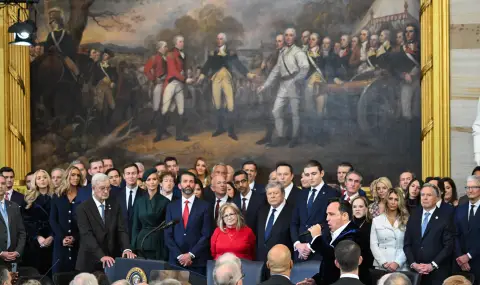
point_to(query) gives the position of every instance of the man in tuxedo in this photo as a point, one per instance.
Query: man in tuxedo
(249, 202)
(285, 176)
(11, 194)
(103, 235)
(353, 182)
(467, 220)
(250, 167)
(280, 264)
(429, 239)
(188, 241)
(340, 227)
(273, 221)
(13, 235)
(310, 209)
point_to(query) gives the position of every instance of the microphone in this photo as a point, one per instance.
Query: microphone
(306, 233)
(162, 226)
(50, 269)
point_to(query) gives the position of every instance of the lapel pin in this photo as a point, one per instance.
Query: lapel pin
(436, 217)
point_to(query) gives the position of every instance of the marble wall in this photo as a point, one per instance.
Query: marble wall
(465, 84)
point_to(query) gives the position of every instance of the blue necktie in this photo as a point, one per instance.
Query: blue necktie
(310, 201)
(268, 229)
(103, 212)
(425, 222)
(5, 218)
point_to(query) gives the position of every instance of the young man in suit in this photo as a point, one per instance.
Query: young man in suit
(188, 241)
(11, 194)
(103, 235)
(280, 264)
(340, 227)
(13, 235)
(250, 167)
(273, 221)
(249, 202)
(285, 175)
(467, 220)
(429, 239)
(311, 209)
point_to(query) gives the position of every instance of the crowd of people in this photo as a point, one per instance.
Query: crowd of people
(83, 217)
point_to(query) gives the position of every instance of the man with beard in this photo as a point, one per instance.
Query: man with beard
(306, 40)
(291, 69)
(188, 241)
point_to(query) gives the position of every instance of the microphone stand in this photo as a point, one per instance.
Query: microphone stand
(157, 228)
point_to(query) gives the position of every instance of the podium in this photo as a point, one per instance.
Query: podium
(125, 269)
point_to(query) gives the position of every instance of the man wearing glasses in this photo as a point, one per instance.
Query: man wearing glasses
(249, 202)
(467, 219)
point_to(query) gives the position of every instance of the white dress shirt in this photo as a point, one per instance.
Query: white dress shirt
(127, 194)
(278, 209)
(98, 207)
(477, 204)
(349, 275)
(168, 196)
(251, 185)
(430, 216)
(318, 188)
(350, 197)
(439, 203)
(336, 233)
(222, 201)
(248, 196)
(288, 189)
(190, 203)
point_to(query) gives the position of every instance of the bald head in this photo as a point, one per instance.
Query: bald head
(280, 260)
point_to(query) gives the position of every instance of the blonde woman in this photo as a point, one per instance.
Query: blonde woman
(388, 232)
(64, 222)
(36, 215)
(201, 169)
(379, 189)
(232, 234)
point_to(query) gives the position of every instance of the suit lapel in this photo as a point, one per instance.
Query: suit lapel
(433, 221)
(95, 211)
(123, 202)
(278, 223)
(318, 200)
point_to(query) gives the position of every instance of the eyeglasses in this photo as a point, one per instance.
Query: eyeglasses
(241, 181)
(472, 187)
(229, 215)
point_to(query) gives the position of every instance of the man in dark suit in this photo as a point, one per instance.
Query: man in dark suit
(429, 239)
(467, 220)
(188, 241)
(353, 182)
(95, 166)
(11, 194)
(13, 236)
(217, 169)
(464, 199)
(280, 264)
(219, 187)
(250, 167)
(249, 202)
(103, 235)
(340, 227)
(285, 175)
(273, 221)
(310, 209)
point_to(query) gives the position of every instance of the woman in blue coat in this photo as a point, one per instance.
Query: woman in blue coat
(64, 221)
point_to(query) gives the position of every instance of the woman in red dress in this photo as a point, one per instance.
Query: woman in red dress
(232, 234)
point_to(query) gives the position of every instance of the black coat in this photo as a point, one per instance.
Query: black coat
(277, 280)
(349, 281)
(256, 202)
(364, 243)
(16, 228)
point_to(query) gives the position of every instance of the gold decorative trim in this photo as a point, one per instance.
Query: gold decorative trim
(462, 129)
(17, 134)
(473, 98)
(427, 129)
(17, 78)
(426, 68)
(425, 4)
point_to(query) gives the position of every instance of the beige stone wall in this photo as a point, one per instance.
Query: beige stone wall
(465, 84)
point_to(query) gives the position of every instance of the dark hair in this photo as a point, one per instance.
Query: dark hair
(407, 195)
(6, 169)
(284, 164)
(113, 169)
(199, 182)
(347, 254)
(170, 158)
(186, 173)
(30, 173)
(314, 163)
(130, 165)
(454, 188)
(430, 178)
(346, 164)
(356, 173)
(165, 174)
(159, 163)
(477, 168)
(94, 159)
(107, 157)
(240, 172)
(344, 206)
(235, 191)
(250, 162)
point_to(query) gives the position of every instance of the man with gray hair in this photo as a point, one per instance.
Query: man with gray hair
(227, 273)
(103, 235)
(305, 40)
(5, 277)
(84, 279)
(273, 221)
(291, 69)
(397, 279)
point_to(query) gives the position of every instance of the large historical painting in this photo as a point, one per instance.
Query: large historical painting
(229, 80)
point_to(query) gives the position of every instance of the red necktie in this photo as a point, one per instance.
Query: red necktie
(217, 207)
(7, 197)
(186, 212)
(348, 198)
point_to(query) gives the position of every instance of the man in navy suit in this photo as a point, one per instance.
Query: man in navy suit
(285, 175)
(353, 182)
(249, 202)
(188, 241)
(429, 239)
(467, 220)
(11, 194)
(250, 167)
(310, 209)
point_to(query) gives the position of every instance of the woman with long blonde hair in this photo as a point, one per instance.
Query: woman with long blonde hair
(379, 189)
(64, 221)
(36, 215)
(201, 169)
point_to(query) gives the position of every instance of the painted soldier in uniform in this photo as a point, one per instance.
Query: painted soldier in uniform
(305, 40)
(104, 78)
(291, 69)
(173, 96)
(219, 67)
(364, 47)
(343, 70)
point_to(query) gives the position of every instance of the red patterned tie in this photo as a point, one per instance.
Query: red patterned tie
(185, 215)
(7, 197)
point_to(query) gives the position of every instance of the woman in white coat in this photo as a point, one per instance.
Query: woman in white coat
(388, 231)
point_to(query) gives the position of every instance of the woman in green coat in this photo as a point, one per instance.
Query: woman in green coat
(149, 212)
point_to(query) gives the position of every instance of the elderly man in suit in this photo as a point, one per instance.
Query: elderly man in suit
(467, 220)
(188, 241)
(353, 182)
(13, 237)
(103, 235)
(249, 202)
(429, 239)
(310, 209)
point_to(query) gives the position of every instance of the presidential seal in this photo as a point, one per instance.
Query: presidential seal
(136, 276)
